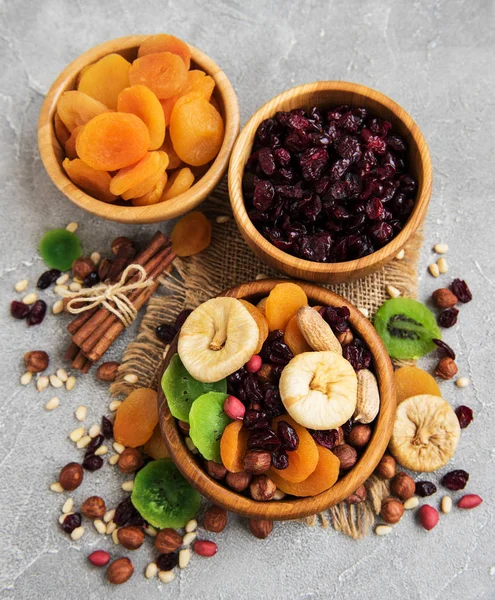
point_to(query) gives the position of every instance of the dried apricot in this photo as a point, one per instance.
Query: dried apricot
(200, 82)
(70, 144)
(95, 183)
(303, 461)
(196, 131)
(294, 338)
(167, 106)
(164, 73)
(136, 418)
(155, 446)
(259, 317)
(233, 446)
(178, 183)
(76, 108)
(130, 177)
(142, 102)
(174, 160)
(321, 479)
(413, 381)
(112, 141)
(283, 303)
(61, 131)
(142, 188)
(262, 305)
(164, 42)
(191, 234)
(105, 79)
(154, 195)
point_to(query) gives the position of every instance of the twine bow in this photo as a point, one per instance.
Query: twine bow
(112, 297)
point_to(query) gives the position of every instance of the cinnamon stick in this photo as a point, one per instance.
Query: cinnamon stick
(71, 352)
(79, 321)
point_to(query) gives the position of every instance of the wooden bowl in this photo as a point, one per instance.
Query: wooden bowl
(52, 154)
(292, 508)
(325, 94)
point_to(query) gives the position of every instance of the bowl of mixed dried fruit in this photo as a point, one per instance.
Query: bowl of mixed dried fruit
(139, 129)
(328, 181)
(277, 399)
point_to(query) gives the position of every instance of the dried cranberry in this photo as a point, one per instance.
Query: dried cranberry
(425, 488)
(266, 161)
(374, 209)
(336, 317)
(288, 436)
(455, 480)
(327, 439)
(464, 415)
(461, 290)
(357, 354)
(46, 279)
(280, 460)
(448, 317)
(445, 347)
(256, 419)
(19, 310)
(166, 562)
(165, 332)
(71, 522)
(91, 279)
(264, 193)
(94, 444)
(347, 426)
(125, 513)
(275, 350)
(92, 462)
(272, 402)
(37, 313)
(263, 440)
(106, 427)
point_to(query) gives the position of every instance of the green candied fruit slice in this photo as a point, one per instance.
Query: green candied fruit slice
(59, 248)
(208, 420)
(163, 497)
(181, 389)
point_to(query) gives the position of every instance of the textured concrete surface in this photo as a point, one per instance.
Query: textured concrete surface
(436, 59)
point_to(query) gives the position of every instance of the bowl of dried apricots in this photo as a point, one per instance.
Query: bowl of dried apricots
(139, 129)
(277, 399)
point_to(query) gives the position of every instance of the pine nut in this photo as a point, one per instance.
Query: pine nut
(77, 533)
(81, 412)
(101, 451)
(21, 285)
(364, 311)
(131, 378)
(118, 447)
(100, 526)
(61, 519)
(42, 383)
(279, 495)
(191, 526)
(113, 460)
(151, 531)
(78, 280)
(128, 486)
(72, 226)
(222, 219)
(109, 515)
(58, 307)
(383, 529)
(94, 430)
(115, 537)
(70, 383)
(83, 442)
(440, 248)
(63, 279)
(60, 290)
(446, 504)
(434, 270)
(151, 571)
(68, 506)
(62, 375)
(96, 258)
(411, 503)
(114, 404)
(463, 382)
(110, 528)
(56, 382)
(57, 488)
(184, 558)
(26, 378)
(30, 298)
(401, 254)
(190, 445)
(392, 291)
(53, 403)
(166, 576)
(189, 538)
(75, 287)
(261, 276)
(443, 267)
(76, 435)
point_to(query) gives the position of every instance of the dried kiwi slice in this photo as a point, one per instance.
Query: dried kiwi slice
(208, 420)
(406, 327)
(163, 497)
(181, 389)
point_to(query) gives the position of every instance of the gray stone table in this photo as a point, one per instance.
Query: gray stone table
(437, 60)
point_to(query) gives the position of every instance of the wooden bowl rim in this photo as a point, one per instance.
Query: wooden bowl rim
(137, 214)
(297, 507)
(382, 255)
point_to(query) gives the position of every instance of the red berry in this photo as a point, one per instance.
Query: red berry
(99, 558)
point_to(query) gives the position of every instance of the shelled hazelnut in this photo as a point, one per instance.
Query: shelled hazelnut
(391, 511)
(403, 486)
(386, 467)
(444, 298)
(215, 470)
(215, 519)
(359, 435)
(446, 368)
(239, 481)
(36, 361)
(357, 497)
(347, 456)
(262, 488)
(260, 528)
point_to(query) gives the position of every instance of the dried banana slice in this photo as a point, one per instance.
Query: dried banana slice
(217, 338)
(425, 434)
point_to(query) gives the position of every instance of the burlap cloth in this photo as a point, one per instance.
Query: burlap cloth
(227, 262)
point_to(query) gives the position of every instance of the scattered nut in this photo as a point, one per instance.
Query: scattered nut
(257, 461)
(119, 448)
(262, 488)
(168, 540)
(42, 383)
(56, 487)
(93, 507)
(191, 526)
(403, 486)
(440, 248)
(83, 442)
(55, 381)
(166, 576)
(109, 515)
(392, 291)
(261, 276)
(75, 286)
(463, 382)
(107, 371)
(357, 497)
(215, 470)
(30, 298)
(434, 270)
(151, 571)
(222, 219)
(68, 506)
(21, 285)
(101, 451)
(411, 503)
(239, 481)
(53, 403)
(120, 571)
(443, 267)
(100, 526)
(36, 361)
(71, 476)
(446, 504)
(131, 537)
(130, 460)
(114, 405)
(81, 412)
(391, 511)
(113, 460)
(260, 528)
(215, 519)
(383, 529)
(128, 486)
(94, 431)
(444, 298)
(63, 279)
(359, 435)
(279, 495)
(189, 538)
(26, 378)
(61, 290)
(400, 255)
(364, 311)
(428, 516)
(77, 533)
(184, 558)
(82, 267)
(70, 383)
(76, 434)
(446, 368)
(131, 378)
(347, 456)
(58, 307)
(72, 226)
(386, 467)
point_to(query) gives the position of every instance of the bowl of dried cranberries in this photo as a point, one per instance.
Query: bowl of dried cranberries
(276, 399)
(139, 129)
(329, 180)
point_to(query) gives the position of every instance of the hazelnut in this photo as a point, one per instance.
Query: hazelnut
(184, 427)
(167, 541)
(257, 461)
(239, 481)
(82, 267)
(403, 486)
(345, 337)
(130, 460)
(36, 361)
(265, 373)
(357, 497)
(444, 298)
(120, 571)
(119, 242)
(107, 371)
(215, 470)
(391, 511)
(359, 435)
(131, 537)
(71, 476)
(260, 528)
(215, 519)
(93, 507)
(446, 368)
(262, 488)
(386, 467)
(104, 268)
(347, 456)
